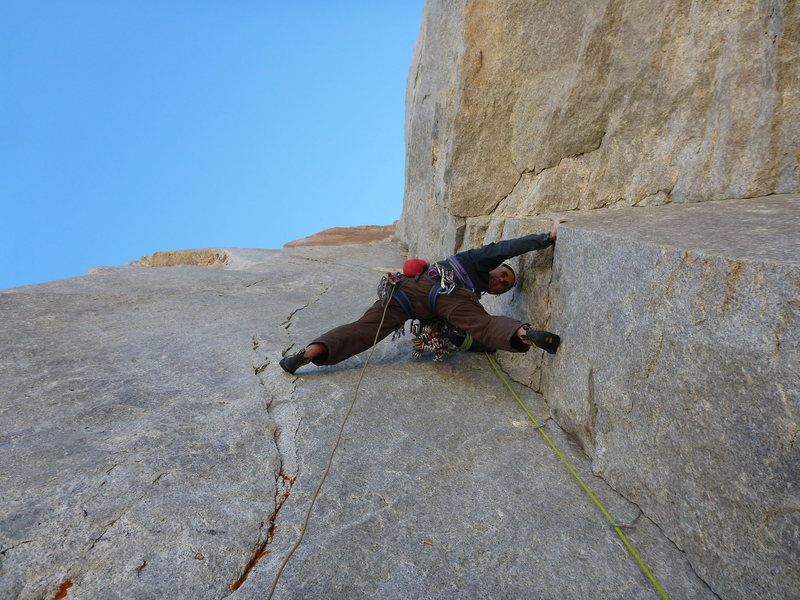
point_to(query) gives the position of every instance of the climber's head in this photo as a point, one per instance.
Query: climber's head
(501, 279)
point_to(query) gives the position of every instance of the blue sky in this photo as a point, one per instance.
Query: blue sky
(128, 127)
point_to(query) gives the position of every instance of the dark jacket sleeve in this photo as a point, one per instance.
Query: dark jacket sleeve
(492, 255)
(480, 261)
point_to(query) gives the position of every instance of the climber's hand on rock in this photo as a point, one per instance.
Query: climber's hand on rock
(554, 230)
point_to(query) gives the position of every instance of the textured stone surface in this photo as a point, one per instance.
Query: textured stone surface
(679, 374)
(339, 236)
(522, 108)
(153, 449)
(432, 103)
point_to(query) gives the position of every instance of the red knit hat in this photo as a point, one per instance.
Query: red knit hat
(414, 266)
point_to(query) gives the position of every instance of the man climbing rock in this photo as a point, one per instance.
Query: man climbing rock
(449, 290)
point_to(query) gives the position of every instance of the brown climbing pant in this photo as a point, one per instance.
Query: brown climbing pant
(460, 308)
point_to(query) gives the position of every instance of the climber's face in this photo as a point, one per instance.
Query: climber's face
(501, 280)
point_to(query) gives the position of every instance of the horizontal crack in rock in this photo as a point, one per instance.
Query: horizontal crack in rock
(4, 550)
(537, 172)
(288, 322)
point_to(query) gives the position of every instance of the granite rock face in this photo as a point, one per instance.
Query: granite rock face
(679, 374)
(519, 108)
(152, 448)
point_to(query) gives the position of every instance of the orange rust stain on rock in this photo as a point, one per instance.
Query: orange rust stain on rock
(239, 582)
(734, 274)
(63, 590)
(283, 488)
(259, 554)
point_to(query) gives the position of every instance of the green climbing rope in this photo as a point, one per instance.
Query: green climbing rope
(616, 527)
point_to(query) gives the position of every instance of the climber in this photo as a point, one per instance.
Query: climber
(449, 290)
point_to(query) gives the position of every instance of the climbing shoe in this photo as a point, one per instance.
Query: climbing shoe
(542, 339)
(291, 363)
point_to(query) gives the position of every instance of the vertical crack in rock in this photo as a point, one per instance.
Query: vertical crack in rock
(286, 422)
(283, 488)
(283, 413)
(651, 365)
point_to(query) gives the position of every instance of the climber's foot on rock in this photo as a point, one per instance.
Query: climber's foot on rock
(291, 363)
(543, 339)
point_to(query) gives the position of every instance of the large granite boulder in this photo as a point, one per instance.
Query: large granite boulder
(679, 374)
(152, 448)
(521, 108)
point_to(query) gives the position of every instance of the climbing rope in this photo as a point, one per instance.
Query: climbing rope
(391, 287)
(617, 526)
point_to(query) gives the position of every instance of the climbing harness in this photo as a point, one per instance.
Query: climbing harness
(617, 526)
(446, 285)
(388, 289)
(429, 336)
(445, 276)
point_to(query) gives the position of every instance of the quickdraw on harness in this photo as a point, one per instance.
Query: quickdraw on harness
(446, 285)
(431, 337)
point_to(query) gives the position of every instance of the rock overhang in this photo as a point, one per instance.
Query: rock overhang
(754, 229)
